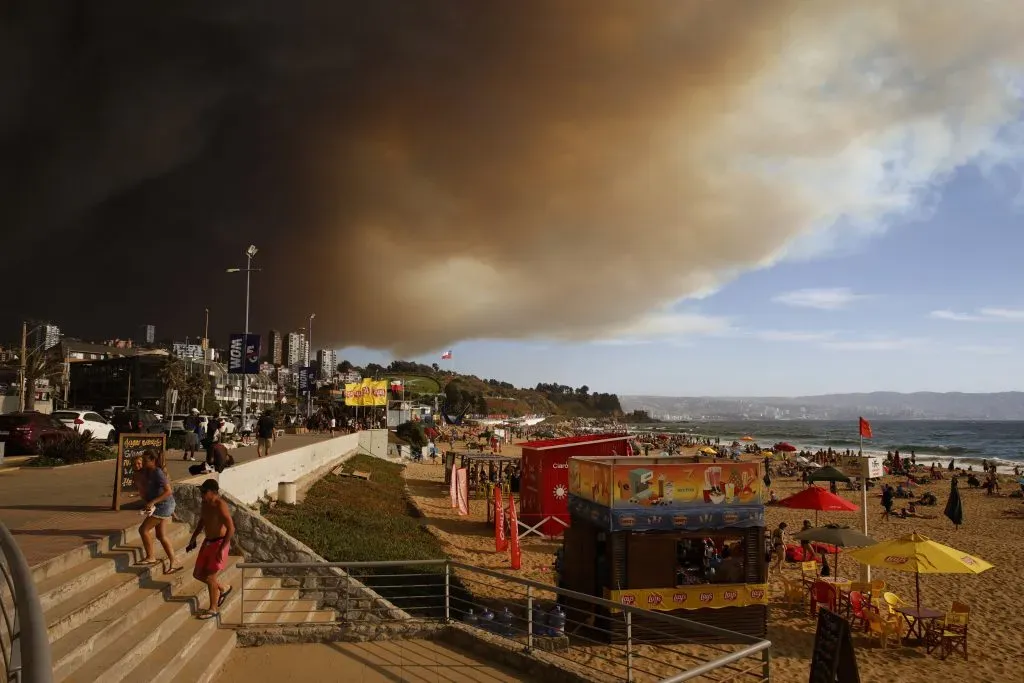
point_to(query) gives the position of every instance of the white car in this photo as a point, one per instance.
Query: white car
(173, 423)
(87, 421)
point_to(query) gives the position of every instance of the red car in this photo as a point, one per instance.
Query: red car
(25, 432)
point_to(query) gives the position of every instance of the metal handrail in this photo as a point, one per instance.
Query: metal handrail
(28, 658)
(752, 645)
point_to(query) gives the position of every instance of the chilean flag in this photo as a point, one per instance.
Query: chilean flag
(447, 355)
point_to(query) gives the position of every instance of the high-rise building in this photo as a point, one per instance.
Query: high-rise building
(43, 335)
(295, 349)
(149, 333)
(275, 352)
(187, 350)
(327, 359)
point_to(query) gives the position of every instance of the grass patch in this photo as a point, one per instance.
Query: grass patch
(351, 520)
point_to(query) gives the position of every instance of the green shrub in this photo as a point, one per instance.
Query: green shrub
(71, 448)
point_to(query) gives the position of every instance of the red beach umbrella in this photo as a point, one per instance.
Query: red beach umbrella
(818, 499)
(787, 447)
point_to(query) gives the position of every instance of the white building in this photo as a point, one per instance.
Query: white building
(186, 351)
(45, 336)
(328, 362)
(296, 350)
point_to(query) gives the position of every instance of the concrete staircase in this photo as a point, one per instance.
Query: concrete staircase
(111, 621)
(268, 601)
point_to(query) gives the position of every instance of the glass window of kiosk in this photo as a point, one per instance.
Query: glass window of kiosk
(664, 560)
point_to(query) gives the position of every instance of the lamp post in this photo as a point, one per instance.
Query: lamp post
(248, 270)
(309, 349)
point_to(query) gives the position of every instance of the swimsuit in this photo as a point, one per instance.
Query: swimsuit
(213, 556)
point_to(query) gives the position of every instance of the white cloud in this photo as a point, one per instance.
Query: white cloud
(984, 349)
(791, 335)
(826, 299)
(983, 315)
(666, 326)
(878, 344)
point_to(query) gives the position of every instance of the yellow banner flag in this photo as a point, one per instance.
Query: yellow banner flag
(367, 393)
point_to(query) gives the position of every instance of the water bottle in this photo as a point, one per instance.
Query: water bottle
(556, 621)
(487, 620)
(470, 619)
(505, 622)
(539, 619)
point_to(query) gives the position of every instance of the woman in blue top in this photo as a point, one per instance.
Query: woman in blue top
(158, 508)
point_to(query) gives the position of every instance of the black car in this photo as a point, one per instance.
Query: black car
(136, 421)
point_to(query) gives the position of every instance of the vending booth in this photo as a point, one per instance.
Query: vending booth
(544, 489)
(669, 535)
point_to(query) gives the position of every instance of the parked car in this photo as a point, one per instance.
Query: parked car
(136, 421)
(175, 423)
(87, 421)
(25, 433)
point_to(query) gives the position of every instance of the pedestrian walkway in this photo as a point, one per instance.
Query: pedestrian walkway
(386, 661)
(53, 511)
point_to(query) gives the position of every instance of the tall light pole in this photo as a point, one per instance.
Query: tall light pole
(309, 349)
(248, 270)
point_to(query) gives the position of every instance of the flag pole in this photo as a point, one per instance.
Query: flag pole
(864, 494)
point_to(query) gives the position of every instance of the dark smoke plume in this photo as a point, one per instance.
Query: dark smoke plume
(419, 172)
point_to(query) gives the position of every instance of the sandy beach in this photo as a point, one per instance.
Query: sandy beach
(992, 531)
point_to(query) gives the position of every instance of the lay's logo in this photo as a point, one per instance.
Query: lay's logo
(757, 594)
(730, 595)
(707, 597)
(679, 598)
(654, 599)
(628, 599)
(896, 559)
(968, 560)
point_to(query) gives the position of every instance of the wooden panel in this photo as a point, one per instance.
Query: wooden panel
(580, 543)
(754, 559)
(617, 543)
(651, 561)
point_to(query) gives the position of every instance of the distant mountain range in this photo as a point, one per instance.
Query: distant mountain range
(924, 405)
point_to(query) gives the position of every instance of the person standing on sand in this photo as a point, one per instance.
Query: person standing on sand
(779, 544)
(216, 524)
(887, 499)
(158, 502)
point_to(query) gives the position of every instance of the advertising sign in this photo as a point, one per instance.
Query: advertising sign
(244, 354)
(646, 482)
(699, 596)
(367, 393)
(306, 380)
(131, 447)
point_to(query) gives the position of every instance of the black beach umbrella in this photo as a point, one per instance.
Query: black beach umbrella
(839, 536)
(954, 506)
(828, 474)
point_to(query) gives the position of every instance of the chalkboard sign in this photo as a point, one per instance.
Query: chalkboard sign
(130, 447)
(833, 660)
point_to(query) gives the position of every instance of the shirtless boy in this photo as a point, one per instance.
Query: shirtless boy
(216, 524)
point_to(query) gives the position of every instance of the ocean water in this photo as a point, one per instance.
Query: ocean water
(968, 442)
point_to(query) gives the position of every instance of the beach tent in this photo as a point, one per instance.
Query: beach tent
(828, 473)
(544, 487)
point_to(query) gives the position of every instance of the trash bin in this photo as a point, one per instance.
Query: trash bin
(286, 492)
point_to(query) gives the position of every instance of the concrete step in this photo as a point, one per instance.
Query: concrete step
(79, 577)
(206, 665)
(84, 642)
(93, 597)
(268, 602)
(184, 645)
(65, 561)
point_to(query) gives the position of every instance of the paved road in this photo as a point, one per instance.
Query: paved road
(51, 512)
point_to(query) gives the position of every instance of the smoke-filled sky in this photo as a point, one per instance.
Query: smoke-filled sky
(420, 173)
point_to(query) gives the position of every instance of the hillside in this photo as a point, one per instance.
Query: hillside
(492, 396)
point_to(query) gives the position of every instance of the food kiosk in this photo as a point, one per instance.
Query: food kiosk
(669, 535)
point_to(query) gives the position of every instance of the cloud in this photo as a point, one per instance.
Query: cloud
(415, 176)
(877, 344)
(665, 325)
(988, 314)
(790, 335)
(827, 299)
(985, 349)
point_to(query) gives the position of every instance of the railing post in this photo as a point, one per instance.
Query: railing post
(766, 665)
(529, 618)
(447, 593)
(629, 646)
(241, 607)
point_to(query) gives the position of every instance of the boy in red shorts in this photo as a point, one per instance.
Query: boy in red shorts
(216, 524)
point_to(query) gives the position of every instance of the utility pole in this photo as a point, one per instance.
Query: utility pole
(23, 362)
(206, 332)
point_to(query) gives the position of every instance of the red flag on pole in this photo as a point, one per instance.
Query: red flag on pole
(500, 541)
(513, 522)
(865, 428)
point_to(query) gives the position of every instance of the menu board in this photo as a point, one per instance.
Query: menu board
(833, 659)
(644, 482)
(130, 447)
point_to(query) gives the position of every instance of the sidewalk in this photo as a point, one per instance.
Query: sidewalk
(53, 511)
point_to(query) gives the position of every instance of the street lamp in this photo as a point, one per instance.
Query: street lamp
(248, 270)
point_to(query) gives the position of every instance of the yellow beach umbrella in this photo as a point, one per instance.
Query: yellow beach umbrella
(921, 555)
(747, 438)
(768, 454)
(708, 450)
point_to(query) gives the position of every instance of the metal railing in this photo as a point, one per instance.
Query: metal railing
(24, 643)
(595, 639)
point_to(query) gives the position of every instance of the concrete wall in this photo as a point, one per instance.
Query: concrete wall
(256, 479)
(374, 442)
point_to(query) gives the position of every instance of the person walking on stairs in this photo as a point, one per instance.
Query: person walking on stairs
(158, 508)
(216, 524)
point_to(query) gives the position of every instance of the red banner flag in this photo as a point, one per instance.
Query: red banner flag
(865, 428)
(500, 541)
(513, 522)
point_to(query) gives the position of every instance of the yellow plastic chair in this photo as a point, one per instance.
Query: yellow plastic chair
(884, 629)
(808, 567)
(793, 592)
(878, 585)
(893, 601)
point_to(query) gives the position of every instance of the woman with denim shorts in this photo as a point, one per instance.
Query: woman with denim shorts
(159, 508)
